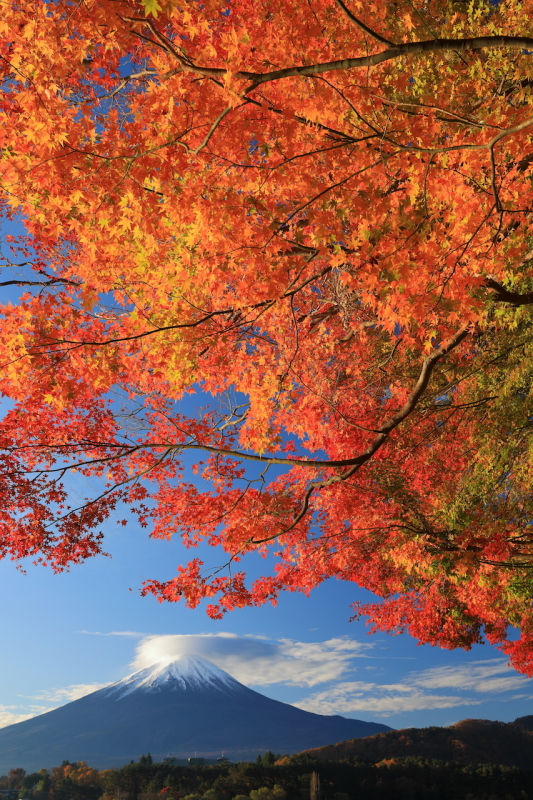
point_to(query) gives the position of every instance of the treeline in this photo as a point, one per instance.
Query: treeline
(471, 741)
(67, 782)
(391, 779)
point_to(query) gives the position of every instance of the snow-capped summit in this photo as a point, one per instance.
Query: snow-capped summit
(184, 673)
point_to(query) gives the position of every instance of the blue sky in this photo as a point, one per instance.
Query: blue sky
(65, 635)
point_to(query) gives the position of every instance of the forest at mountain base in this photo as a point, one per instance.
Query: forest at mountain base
(402, 779)
(359, 769)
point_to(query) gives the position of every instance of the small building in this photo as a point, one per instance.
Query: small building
(196, 761)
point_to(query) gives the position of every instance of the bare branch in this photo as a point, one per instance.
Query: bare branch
(124, 82)
(195, 323)
(54, 282)
(212, 129)
(362, 26)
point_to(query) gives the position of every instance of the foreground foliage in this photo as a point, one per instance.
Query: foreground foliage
(404, 779)
(324, 225)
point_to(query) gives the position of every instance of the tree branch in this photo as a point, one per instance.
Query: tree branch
(54, 282)
(124, 82)
(193, 324)
(354, 463)
(362, 26)
(503, 295)
(391, 52)
(409, 406)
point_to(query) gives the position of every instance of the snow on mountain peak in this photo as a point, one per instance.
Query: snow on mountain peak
(185, 672)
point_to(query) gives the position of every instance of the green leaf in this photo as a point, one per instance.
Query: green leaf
(152, 7)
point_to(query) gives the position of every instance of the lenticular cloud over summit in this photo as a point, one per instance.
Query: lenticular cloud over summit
(254, 660)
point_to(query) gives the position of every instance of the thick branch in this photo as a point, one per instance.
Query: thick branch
(503, 295)
(391, 52)
(408, 48)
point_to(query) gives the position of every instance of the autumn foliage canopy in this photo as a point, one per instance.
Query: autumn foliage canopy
(317, 215)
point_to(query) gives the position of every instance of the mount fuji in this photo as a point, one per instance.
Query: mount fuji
(182, 708)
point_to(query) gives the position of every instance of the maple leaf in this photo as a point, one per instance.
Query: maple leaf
(152, 7)
(408, 21)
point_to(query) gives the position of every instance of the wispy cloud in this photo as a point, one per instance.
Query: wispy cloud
(68, 694)
(478, 676)
(51, 698)
(258, 661)
(490, 677)
(8, 716)
(382, 699)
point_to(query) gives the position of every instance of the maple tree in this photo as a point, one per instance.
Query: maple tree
(319, 215)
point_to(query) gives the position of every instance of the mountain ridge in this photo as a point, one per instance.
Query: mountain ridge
(470, 741)
(180, 708)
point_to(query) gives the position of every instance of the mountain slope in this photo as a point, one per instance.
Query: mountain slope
(472, 741)
(184, 707)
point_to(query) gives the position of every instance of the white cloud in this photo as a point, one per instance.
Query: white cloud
(8, 717)
(478, 676)
(489, 677)
(382, 699)
(256, 660)
(52, 697)
(68, 694)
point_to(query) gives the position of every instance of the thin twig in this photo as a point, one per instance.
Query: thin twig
(362, 26)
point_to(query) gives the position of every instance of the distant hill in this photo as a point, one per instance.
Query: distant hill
(472, 741)
(182, 708)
